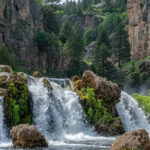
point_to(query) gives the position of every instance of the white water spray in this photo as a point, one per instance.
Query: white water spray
(3, 132)
(57, 113)
(132, 116)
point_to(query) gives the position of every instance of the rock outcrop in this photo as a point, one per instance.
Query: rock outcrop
(137, 139)
(144, 66)
(19, 21)
(98, 98)
(103, 88)
(36, 74)
(139, 27)
(26, 136)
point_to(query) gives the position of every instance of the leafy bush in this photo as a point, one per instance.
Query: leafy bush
(143, 101)
(96, 112)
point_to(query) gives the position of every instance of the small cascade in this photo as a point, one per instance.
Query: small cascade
(57, 113)
(132, 116)
(3, 133)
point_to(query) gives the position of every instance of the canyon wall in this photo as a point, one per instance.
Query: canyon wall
(139, 28)
(19, 21)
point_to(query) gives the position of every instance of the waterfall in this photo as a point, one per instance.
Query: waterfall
(132, 116)
(57, 113)
(3, 133)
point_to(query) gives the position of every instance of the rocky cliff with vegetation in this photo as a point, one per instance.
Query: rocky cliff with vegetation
(19, 21)
(139, 27)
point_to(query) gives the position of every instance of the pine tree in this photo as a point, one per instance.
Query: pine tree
(75, 42)
(120, 44)
(101, 63)
(64, 32)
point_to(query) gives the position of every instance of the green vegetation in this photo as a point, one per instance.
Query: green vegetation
(89, 36)
(133, 73)
(5, 57)
(16, 103)
(96, 112)
(44, 41)
(143, 101)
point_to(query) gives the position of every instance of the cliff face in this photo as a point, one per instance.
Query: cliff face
(139, 27)
(19, 20)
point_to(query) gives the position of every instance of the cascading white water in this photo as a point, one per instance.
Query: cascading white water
(57, 112)
(132, 116)
(3, 133)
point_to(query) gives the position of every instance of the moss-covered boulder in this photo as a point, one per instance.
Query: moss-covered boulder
(5, 68)
(75, 78)
(36, 74)
(98, 98)
(14, 89)
(47, 84)
(103, 88)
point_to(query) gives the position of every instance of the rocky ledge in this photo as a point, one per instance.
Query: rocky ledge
(27, 136)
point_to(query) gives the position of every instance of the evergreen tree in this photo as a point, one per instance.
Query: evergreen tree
(102, 37)
(64, 32)
(75, 44)
(101, 63)
(120, 44)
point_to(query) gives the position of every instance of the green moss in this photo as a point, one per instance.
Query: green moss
(96, 112)
(16, 117)
(16, 103)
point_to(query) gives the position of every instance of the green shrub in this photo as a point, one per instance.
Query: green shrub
(143, 101)
(88, 36)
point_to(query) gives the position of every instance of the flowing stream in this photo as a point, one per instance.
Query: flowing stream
(58, 115)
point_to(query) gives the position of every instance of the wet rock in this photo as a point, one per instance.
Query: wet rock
(137, 139)
(3, 80)
(27, 136)
(103, 88)
(3, 92)
(75, 78)
(36, 74)
(5, 68)
(47, 83)
(112, 129)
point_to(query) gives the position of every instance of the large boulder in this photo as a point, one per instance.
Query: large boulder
(103, 88)
(27, 136)
(5, 68)
(137, 139)
(144, 66)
